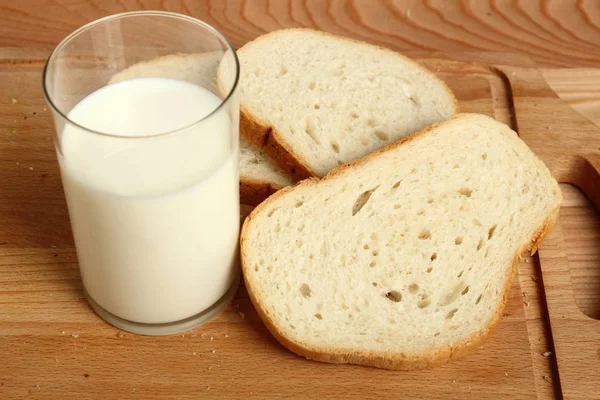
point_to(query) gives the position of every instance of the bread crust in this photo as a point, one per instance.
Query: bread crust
(386, 360)
(253, 192)
(261, 134)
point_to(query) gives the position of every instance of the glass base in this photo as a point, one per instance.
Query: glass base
(170, 327)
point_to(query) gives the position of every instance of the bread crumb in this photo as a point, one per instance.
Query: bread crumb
(193, 335)
(226, 335)
(408, 13)
(14, 101)
(182, 335)
(547, 353)
(75, 335)
(203, 336)
(546, 378)
(194, 353)
(120, 334)
(31, 168)
(207, 388)
(212, 338)
(524, 295)
(506, 374)
(63, 332)
(242, 315)
(533, 278)
(38, 387)
(213, 351)
(453, 381)
(210, 367)
(526, 261)
(526, 303)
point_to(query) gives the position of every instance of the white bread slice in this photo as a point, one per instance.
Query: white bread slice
(259, 176)
(315, 101)
(403, 259)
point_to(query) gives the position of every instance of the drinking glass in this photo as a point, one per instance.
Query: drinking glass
(146, 111)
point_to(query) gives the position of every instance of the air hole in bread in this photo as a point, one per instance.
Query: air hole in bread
(433, 257)
(424, 235)
(478, 299)
(458, 240)
(394, 296)
(366, 246)
(424, 303)
(480, 244)
(270, 212)
(491, 232)
(277, 228)
(305, 290)
(465, 192)
(375, 284)
(436, 334)
(487, 253)
(318, 316)
(397, 206)
(282, 71)
(381, 135)
(476, 222)
(270, 268)
(415, 102)
(430, 200)
(292, 326)
(484, 156)
(299, 203)
(311, 85)
(395, 185)
(413, 288)
(460, 273)
(311, 130)
(450, 314)
(299, 243)
(317, 107)
(371, 122)
(375, 253)
(335, 147)
(372, 263)
(354, 114)
(428, 270)
(525, 188)
(452, 295)
(256, 268)
(455, 166)
(465, 291)
(310, 256)
(421, 212)
(362, 199)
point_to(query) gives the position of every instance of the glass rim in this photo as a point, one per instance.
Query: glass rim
(99, 21)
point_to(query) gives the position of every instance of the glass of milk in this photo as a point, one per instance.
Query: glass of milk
(146, 109)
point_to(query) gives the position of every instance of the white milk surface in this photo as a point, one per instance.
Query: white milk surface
(155, 219)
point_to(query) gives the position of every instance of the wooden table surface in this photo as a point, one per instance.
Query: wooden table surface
(561, 36)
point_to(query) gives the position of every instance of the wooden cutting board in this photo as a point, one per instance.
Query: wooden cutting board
(54, 346)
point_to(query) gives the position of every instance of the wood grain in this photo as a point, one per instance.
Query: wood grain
(563, 33)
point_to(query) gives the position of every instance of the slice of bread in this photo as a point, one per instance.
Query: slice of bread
(259, 176)
(315, 101)
(403, 259)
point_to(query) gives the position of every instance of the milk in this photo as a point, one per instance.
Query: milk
(155, 217)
